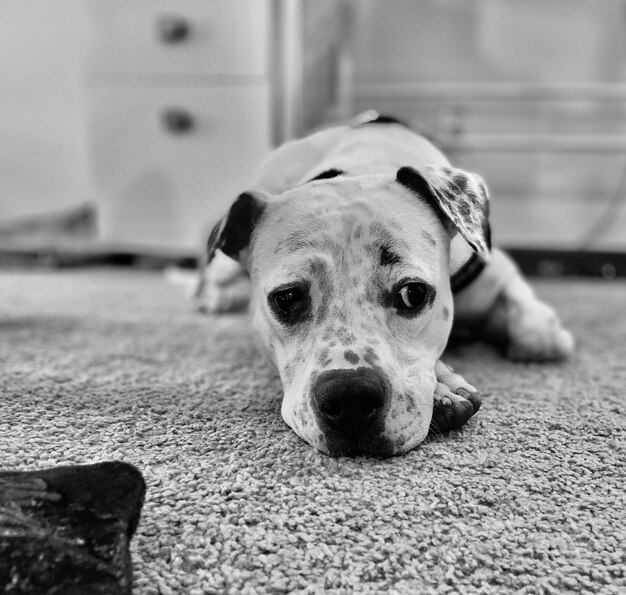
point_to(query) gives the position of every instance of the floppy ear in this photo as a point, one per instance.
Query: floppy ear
(459, 198)
(232, 233)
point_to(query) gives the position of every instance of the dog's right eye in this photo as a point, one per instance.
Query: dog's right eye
(411, 297)
(290, 304)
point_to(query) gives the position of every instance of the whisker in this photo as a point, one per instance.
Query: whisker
(434, 428)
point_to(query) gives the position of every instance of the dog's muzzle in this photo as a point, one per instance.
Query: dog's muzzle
(350, 406)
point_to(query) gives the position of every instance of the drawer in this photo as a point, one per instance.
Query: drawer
(168, 162)
(178, 37)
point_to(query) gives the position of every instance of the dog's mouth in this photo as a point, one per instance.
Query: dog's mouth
(375, 445)
(378, 447)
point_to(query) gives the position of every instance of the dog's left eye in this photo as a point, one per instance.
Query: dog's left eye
(290, 304)
(411, 297)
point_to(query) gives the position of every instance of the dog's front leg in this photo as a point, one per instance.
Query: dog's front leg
(501, 308)
(455, 400)
(527, 328)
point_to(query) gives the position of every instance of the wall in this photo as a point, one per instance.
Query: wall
(402, 46)
(43, 161)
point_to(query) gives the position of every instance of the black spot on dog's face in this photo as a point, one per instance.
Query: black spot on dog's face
(322, 358)
(429, 238)
(371, 357)
(351, 357)
(345, 336)
(388, 257)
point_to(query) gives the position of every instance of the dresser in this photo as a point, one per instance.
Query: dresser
(184, 99)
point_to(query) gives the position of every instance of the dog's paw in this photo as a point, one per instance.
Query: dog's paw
(221, 298)
(535, 332)
(224, 287)
(455, 400)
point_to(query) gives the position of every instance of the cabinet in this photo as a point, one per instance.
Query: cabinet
(186, 97)
(180, 114)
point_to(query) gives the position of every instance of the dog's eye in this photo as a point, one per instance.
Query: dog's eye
(411, 297)
(291, 303)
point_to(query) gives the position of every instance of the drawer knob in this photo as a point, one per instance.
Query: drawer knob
(173, 29)
(177, 120)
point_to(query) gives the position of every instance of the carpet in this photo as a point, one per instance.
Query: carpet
(529, 497)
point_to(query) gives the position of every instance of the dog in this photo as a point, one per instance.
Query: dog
(356, 248)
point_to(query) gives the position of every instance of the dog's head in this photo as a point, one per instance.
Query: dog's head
(352, 299)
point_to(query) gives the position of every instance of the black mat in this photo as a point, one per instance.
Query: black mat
(67, 529)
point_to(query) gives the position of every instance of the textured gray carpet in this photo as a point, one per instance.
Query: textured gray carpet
(528, 498)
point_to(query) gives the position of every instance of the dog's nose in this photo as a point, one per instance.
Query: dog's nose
(350, 401)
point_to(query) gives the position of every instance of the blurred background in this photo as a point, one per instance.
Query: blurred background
(127, 128)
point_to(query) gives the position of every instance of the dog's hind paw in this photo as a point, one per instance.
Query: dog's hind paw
(536, 334)
(455, 401)
(528, 329)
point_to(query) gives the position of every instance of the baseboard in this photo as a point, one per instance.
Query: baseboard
(549, 262)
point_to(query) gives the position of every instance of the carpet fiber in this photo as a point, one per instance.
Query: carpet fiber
(529, 497)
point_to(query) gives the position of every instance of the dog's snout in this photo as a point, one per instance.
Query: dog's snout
(350, 402)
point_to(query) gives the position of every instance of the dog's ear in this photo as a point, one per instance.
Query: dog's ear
(458, 197)
(232, 233)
